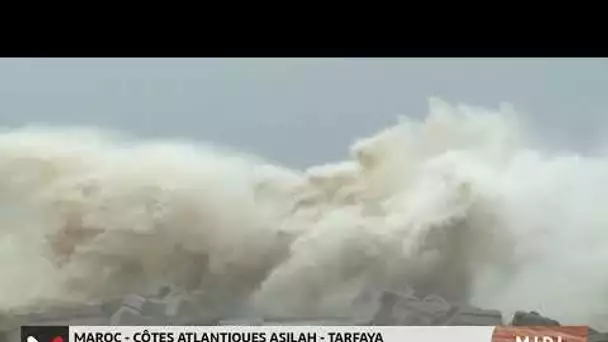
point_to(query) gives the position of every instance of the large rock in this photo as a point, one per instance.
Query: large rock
(532, 318)
(472, 316)
(406, 309)
(595, 336)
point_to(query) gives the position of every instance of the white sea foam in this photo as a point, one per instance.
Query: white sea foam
(458, 204)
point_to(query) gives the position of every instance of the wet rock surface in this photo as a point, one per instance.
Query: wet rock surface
(394, 309)
(598, 337)
(532, 318)
(399, 309)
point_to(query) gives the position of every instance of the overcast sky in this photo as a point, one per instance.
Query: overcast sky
(293, 110)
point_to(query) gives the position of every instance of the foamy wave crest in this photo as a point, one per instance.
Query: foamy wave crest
(458, 205)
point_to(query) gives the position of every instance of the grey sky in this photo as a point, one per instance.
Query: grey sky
(297, 111)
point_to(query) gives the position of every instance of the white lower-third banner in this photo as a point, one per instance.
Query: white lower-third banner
(302, 334)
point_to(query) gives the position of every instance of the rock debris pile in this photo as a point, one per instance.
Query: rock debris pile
(395, 309)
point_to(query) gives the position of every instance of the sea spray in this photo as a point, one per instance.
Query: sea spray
(459, 204)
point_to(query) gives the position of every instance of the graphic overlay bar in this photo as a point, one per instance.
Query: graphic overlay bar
(45, 334)
(279, 334)
(303, 334)
(541, 334)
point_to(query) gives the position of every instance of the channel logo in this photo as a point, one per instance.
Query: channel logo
(45, 334)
